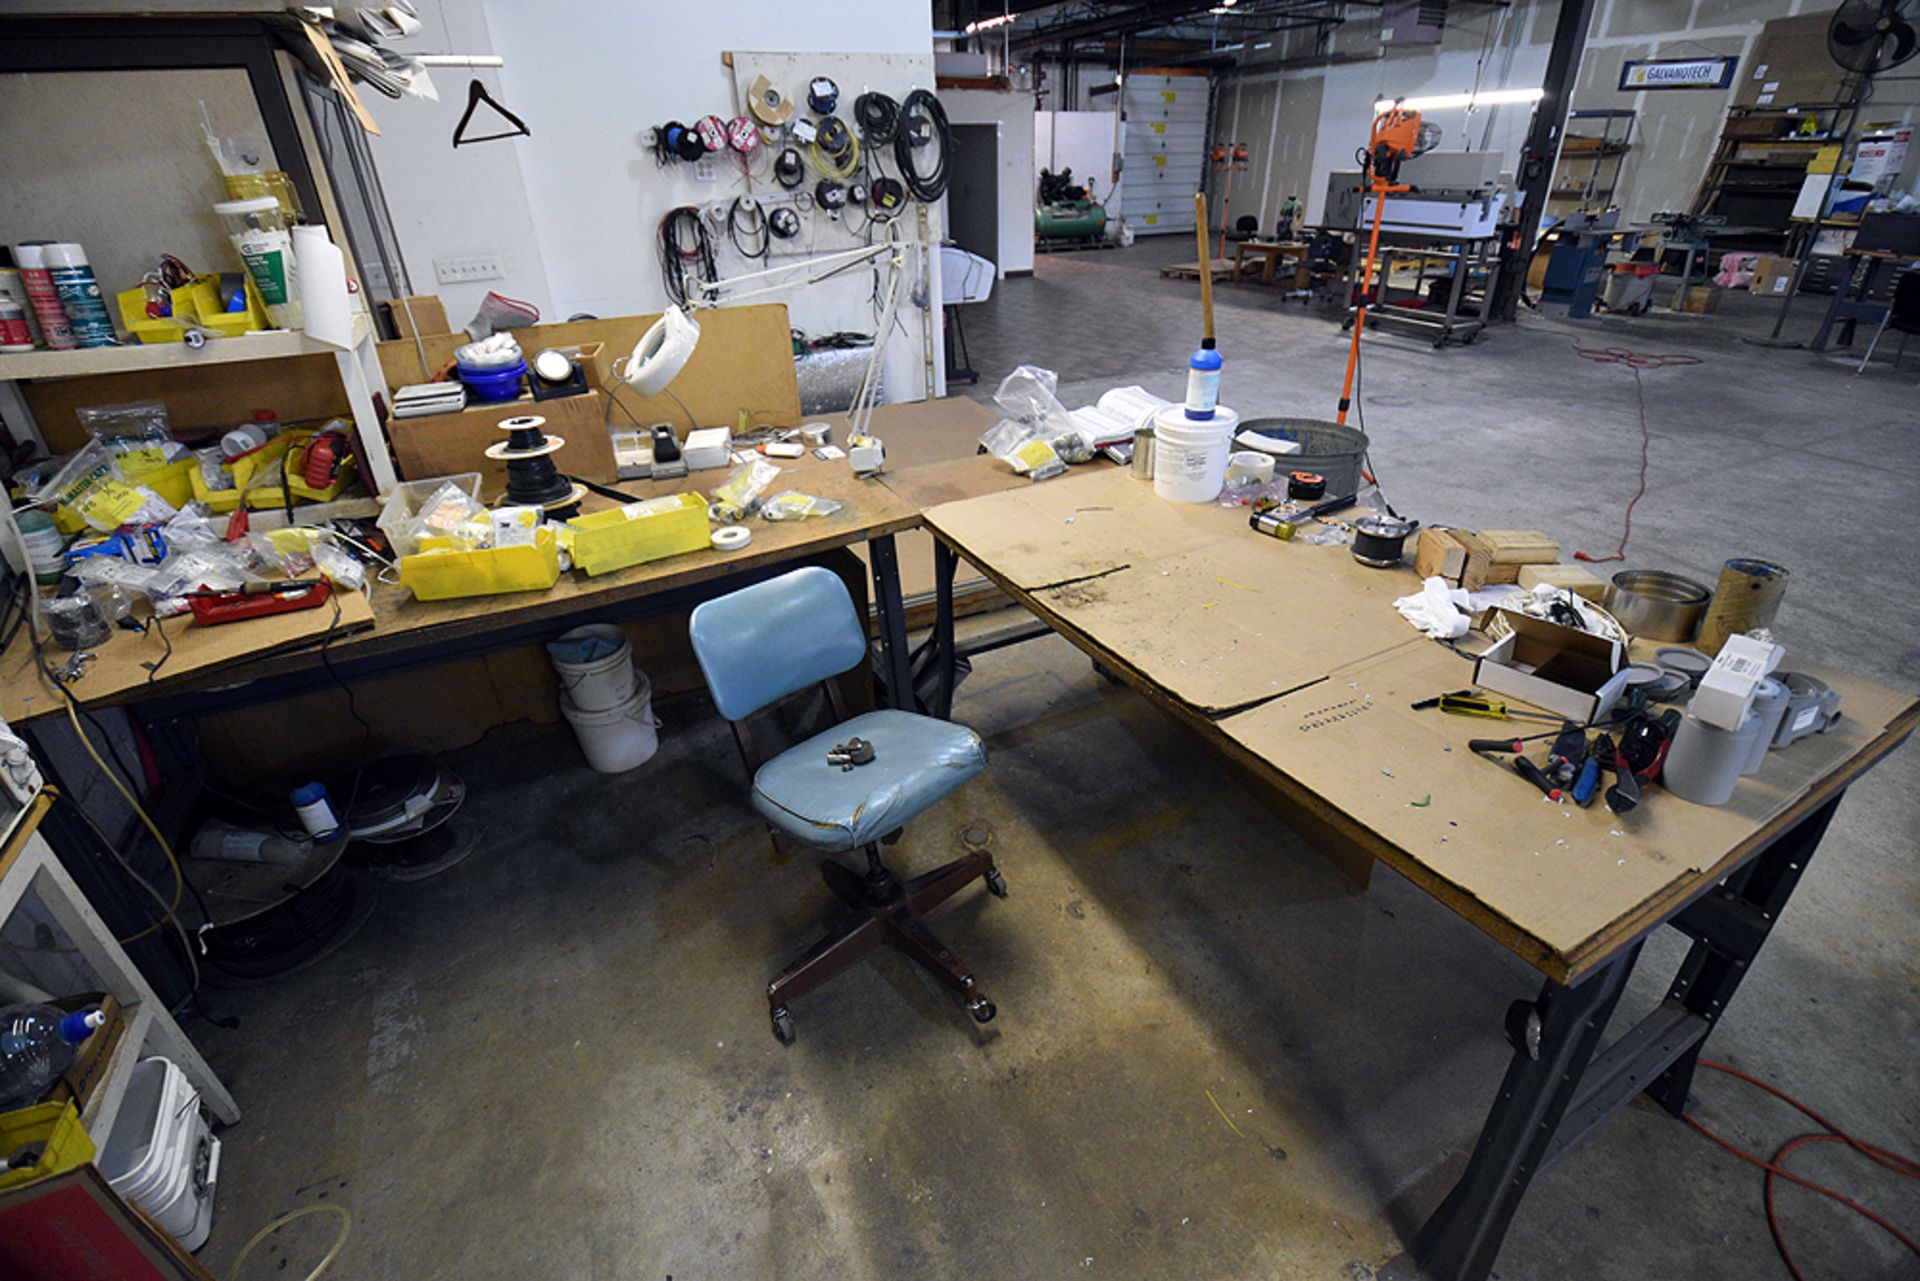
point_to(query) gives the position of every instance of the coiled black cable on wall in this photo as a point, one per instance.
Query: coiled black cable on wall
(685, 246)
(878, 117)
(921, 106)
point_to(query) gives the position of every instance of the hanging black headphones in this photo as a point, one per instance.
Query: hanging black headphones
(788, 169)
(784, 223)
(885, 196)
(830, 195)
(823, 95)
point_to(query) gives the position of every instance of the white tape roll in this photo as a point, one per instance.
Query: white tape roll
(731, 538)
(662, 352)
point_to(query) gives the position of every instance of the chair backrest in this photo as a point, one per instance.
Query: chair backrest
(1248, 224)
(1906, 297)
(764, 642)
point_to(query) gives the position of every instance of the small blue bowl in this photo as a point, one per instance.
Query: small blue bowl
(499, 383)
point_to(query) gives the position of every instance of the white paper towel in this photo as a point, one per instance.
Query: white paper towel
(324, 306)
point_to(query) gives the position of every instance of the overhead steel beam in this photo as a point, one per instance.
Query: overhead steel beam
(1136, 17)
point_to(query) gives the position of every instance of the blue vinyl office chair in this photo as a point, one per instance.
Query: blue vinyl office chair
(762, 643)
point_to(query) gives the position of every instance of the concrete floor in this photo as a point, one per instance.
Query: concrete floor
(1211, 1060)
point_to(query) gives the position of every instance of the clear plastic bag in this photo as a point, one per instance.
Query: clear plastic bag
(451, 513)
(794, 505)
(89, 485)
(1026, 396)
(1022, 448)
(137, 434)
(737, 497)
(337, 564)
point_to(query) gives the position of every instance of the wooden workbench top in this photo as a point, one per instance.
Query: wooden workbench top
(1247, 640)
(391, 619)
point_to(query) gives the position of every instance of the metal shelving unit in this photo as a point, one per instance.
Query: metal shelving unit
(1588, 190)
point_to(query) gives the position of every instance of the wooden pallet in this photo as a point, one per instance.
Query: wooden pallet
(1222, 269)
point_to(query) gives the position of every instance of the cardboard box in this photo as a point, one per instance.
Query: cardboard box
(1773, 276)
(449, 444)
(1570, 578)
(1702, 300)
(73, 1225)
(1726, 691)
(428, 315)
(1558, 669)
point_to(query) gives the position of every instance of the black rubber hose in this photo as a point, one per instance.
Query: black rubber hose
(929, 186)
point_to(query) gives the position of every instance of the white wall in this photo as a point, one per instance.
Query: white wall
(1013, 113)
(599, 76)
(574, 209)
(455, 203)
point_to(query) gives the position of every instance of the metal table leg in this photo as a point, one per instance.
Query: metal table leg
(945, 564)
(1728, 928)
(1558, 1090)
(895, 664)
(1554, 1038)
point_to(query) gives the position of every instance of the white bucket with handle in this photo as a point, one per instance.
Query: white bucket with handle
(621, 738)
(596, 669)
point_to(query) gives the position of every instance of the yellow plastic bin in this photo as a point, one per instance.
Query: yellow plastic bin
(56, 1126)
(174, 482)
(445, 574)
(243, 469)
(652, 529)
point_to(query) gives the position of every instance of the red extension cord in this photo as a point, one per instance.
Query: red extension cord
(1634, 361)
(1775, 1169)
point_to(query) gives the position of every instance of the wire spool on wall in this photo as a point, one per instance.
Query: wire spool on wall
(923, 122)
(532, 478)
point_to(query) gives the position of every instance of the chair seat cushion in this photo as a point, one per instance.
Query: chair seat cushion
(917, 760)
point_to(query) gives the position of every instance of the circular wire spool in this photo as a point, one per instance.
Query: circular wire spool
(532, 478)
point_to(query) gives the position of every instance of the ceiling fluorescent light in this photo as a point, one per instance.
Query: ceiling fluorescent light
(1449, 101)
(988, 24)
(1265, 44)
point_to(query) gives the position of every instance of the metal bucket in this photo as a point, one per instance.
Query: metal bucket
(1328, 448)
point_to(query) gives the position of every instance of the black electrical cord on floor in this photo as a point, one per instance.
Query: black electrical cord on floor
(930, 185)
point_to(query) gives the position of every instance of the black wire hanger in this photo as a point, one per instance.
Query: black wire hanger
(477, 94)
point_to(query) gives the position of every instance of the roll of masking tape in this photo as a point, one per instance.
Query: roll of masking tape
(731, 538)
(662, 352)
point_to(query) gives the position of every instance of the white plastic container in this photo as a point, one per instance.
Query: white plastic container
(1190, 455)
(162, 1155)
(620, 738)
(603, 684)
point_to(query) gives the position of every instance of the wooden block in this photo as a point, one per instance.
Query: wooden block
(1573, 578)
(447, 444)
(1441, 552)
(1519, 546)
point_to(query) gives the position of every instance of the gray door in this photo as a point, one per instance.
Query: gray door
(973, 195)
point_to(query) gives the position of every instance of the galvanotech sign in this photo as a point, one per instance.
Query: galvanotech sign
(1677, 73)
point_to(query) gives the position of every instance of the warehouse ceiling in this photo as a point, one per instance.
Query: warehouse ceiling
(1197, 31)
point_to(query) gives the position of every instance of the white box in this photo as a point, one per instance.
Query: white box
(707, 448)
(1726, 691)
(1556, 668)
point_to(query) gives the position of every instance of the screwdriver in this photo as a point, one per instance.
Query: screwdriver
(1491, 708)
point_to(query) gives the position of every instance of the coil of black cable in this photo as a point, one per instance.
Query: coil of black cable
(930, 184)
(878, 117)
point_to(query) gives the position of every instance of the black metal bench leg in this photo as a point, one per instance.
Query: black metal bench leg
(896, 667)
(1729, 926)
(1554, 1040)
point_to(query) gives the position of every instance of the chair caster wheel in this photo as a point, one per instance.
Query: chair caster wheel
(783, 1026)
(996, 883)
(982, 1009)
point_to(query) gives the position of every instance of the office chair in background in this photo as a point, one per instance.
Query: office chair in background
(762, 643)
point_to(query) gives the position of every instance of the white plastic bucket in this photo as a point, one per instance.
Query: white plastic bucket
(1190, 454)
(162, 1155)
(604, 683)
(619, 738)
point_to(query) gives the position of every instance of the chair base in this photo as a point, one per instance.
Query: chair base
(887, 910)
